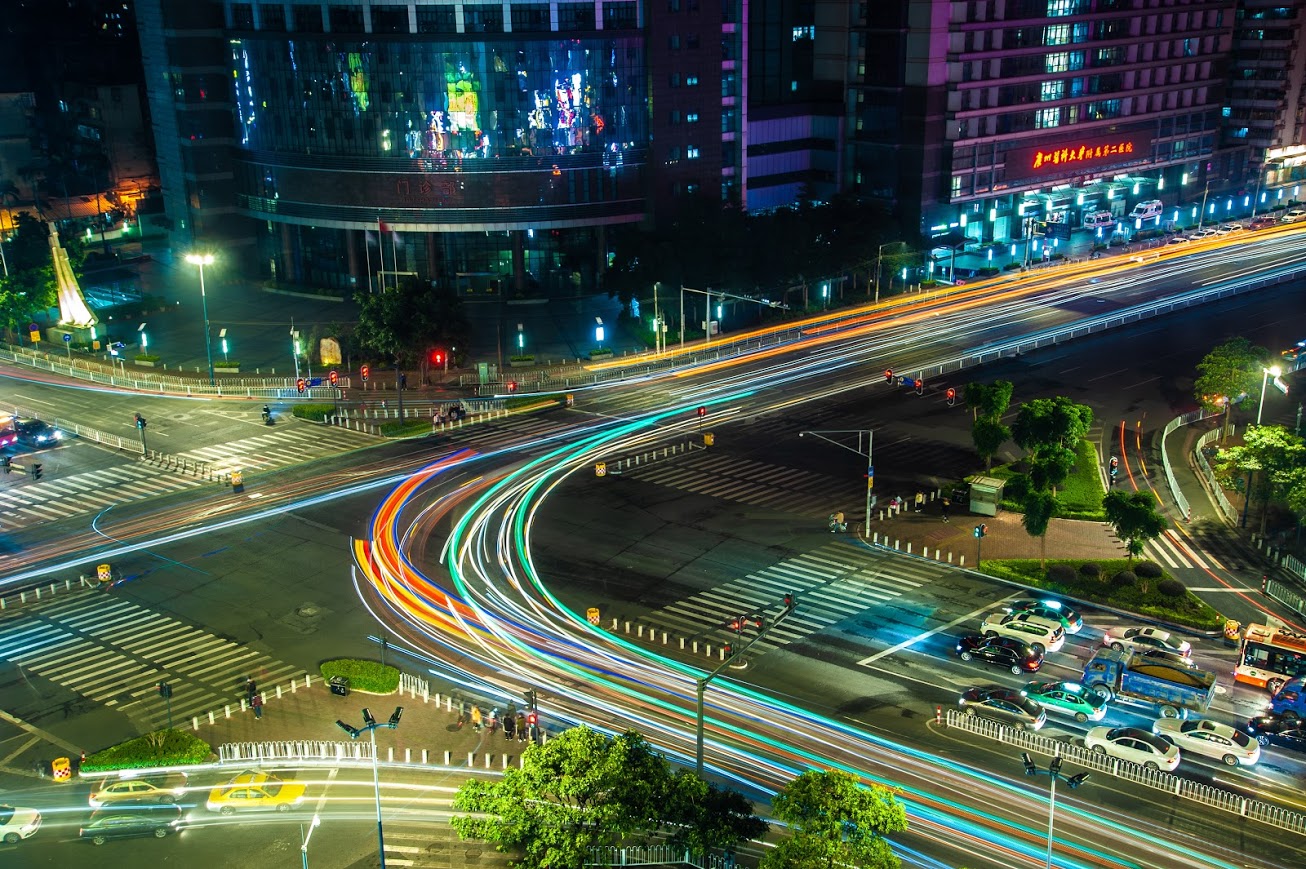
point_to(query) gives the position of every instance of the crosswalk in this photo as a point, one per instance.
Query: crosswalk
(115, 652)
(732, 478)
(284, 444)
(829, 584)
(58, 496)
(1205, 549)
(423, 844)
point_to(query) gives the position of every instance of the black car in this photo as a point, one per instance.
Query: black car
(1003, 651)
(1278, 730)
(31, 433)
(129, 821)
(1003, 704)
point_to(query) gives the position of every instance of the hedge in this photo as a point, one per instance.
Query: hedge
(315, 412)
(1143, 596)
(160, 748)
(369, 676)
(406, 428)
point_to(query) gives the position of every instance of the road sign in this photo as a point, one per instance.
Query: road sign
(67, 339)
(315, 381)
(600, 469)
(237, 481)
(908, 382)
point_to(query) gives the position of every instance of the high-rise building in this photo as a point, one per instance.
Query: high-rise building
(976, 117)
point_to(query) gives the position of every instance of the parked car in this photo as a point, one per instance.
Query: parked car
(255, 790)
(1203, 234)
(1005, 705)
(1178, 239)
(1042, 635)
(130, 821)
(1068, 698)
(1016, 656)
(17, 824)
(1278, 730)
(1228, 228)
(1146, 210)
(1051, 610)
(1263, 222)
(1098, 218)
(1120, 637)
(1211, 739)
(165, 789)
(1293, 215)
(1134, 745)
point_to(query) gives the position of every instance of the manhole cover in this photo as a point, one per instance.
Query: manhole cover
(308, 611)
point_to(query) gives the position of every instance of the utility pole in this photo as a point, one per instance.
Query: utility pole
(870, 466)
(1201, 215)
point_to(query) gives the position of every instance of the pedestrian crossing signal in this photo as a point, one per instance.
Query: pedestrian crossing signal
(1115, 466)
(888, 375)
(334, 377)
(365, 372)
(702, 411)
(952, 396)
(301, 384)
(37, 471)
(789, 601)
(981, 531)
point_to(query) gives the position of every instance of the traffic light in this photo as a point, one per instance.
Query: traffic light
(736, 624)
(437, 357)
(532, 718)
(365, 372)
(789, 601)
(888, 375)
(757, 622)
(981, 531)
(512, 386)
(301, 384)
(140, 421)
(1077, 779)
(1030, 767)
(952, 396)
(920, 386)
(165, 690)
(334, 377)
(728, 649)
(702, 412)
(529, 696)
(37, 471)
(351, 730)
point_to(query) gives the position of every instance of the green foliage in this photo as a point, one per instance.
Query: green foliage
(834, 820)
(403, 322)
(314, 412)
(1134, 518)
(1124, 579)
(582, 790)
(405, 428)
(1040, 508)
(1172, 587)
(1090, 570)
(160, 748)
(1062, 573)
(1045, 423)
(526, 357)
(988, 399)
(1274, 458)
(1080, 495)
(1228, 371)
(1149, 570)
(1188, 610)
(988, 434)
(227, 363)
(147, 357)
(369, 676)
(30, 286)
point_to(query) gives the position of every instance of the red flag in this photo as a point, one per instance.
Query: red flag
(382, 224)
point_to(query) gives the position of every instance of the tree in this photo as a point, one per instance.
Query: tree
(1040, 507)
(835, 821)
(404, 322)
(30, 287)
(988, 435)
(1228, 373)
(991, 399)
(1134, 518)
(583, 789)
(1046, 422)
(1273, 451)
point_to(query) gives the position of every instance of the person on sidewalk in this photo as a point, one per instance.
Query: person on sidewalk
(250, 688)
(476, 718)
(521, 727)
(944, 508)
(256, 703)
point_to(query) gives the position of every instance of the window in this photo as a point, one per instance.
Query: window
(483, 18)
(618, 16)
(675, 80)
(576, 16)
(389, 19)
(1052, 90)
(691, 42)
(1057, 34)
(530, 18)
(691, 118)
(308, 19)
(673, 42)
(346, 19)
(441, 19)
(1045, 118)
(691, 81)
(272, 16)
(807, 32)
(242, 16)
(691, 153)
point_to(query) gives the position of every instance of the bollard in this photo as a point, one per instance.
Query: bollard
(471, 760)
(228, 708)
(664, 638)
(487, 760)
(961, 562)
(723, 652)
(682, 644)
(408, 755)
(695, 647)
(278, 692)
(294, 686)
(641, 632)
(210, 717)
(614, 624)
(447, 761)
(627, 627)
(938, 714)
(707, 649)
(909, 547)
(194, 722)
(242, 704)
(307, 678)
(505, 761)
(950, 556)
(895, 543)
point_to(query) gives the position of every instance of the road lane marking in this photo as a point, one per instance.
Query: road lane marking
(865, 662)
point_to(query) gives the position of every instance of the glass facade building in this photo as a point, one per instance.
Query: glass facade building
(475, 145)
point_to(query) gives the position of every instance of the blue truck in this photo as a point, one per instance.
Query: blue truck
(1170, 691)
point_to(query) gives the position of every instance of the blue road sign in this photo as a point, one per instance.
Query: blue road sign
(67, 338)
(315, 381)
(909, 382)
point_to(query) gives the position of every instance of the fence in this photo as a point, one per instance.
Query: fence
(656, 855)
(1178, 786)
(1186, 419)
(1285, 595)
(1208, 476)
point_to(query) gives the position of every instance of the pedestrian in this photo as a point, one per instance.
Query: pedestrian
(250, 688)
(493, 720)
(521, 727)
(256, 702)
(920, 501)
(944, 507)
(476, 718)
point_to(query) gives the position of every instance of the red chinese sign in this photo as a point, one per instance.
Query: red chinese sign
(1078, 155)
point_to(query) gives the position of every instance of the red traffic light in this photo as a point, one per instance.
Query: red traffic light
(952, 394)
(531, 718)
(512, 386)
(702, 411)
(301, 384)
(437, 357)
(334, 376)
(789, 601)
(364, 372)
(888, 375)
(736, 624)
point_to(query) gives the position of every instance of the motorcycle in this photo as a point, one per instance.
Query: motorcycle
(267, 415)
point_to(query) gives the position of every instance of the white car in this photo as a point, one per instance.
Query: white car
(17, 824)
(1203, 234)
(1210, 739)
(1145, 638)
(1134, 745)
(1226, 228)
(1293, 216)
(1178, 239)
(1040, 634)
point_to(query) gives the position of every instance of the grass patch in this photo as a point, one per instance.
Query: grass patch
(314, 412)
(160, 748)
(1080, 497)
(520, 401)
(406, 428)
(369, 676)
(1143, 596)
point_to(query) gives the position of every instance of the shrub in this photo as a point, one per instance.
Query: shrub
(1124, 579)
(1061, 574)
(160, 748)
(1172, 587)
(147, 357)
(227, 363)
(314, 412)
(404, 428)
(1148, 570)
(527, 357)
(368, 676)
(1090, 570)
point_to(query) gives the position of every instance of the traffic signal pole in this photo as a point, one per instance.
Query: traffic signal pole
(701, 683)
(870, 465)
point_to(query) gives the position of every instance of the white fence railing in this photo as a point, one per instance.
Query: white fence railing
(1178, 786)
(1208, 477)
(656, 855)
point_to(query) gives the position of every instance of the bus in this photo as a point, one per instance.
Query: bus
(1270, 657)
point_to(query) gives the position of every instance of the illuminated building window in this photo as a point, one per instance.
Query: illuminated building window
(691, 118)
(1057, 34)
(691, 153)
(1053, 90)
(1044, 118)
(691, 81)
(801, 33)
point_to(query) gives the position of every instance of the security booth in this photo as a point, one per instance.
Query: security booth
(985, 495)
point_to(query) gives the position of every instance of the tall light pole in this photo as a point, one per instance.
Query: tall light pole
(202, 260)
(1053, 772)
(1201, 215)
(1266, 373)
(303, 849)
(879, 259)
(370, 724)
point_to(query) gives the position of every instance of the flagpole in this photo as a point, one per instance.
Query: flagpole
(380, 250)
(394, 257)
(367, 251)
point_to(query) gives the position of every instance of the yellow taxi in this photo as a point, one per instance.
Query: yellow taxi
(252, 791)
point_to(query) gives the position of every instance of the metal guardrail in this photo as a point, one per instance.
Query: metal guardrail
(1285, 595)
(1186, 419)
(1208, 477)
(1178, 786)
(655, 855)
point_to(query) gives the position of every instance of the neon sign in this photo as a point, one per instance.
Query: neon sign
(1080, 154)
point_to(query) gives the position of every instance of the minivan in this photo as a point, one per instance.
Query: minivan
(1094, 219)
(1146, 210)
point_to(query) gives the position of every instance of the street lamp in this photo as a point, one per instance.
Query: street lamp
(303, 849)
(370, 725)
(1266, 373)
(1053, 772)
(202, 260)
